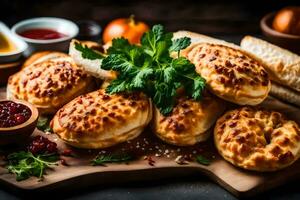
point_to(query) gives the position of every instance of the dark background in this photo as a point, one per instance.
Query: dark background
(230, 20)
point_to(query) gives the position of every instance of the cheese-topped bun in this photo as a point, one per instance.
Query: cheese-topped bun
(99, 120)
(230, 73)
(49, 84)
(189, 121)
(257, 140)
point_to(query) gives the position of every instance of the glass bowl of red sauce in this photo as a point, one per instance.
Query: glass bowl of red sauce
(17, 121)
(46, 33)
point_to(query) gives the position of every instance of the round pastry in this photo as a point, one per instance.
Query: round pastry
(230, 73)
(99, 120)
(257, 140)
(50, 84)
(189, 121)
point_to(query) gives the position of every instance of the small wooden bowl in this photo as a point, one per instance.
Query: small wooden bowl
(21, 132)
(8, 69)
(287, 41)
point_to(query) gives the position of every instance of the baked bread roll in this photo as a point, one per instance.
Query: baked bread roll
(92, 67)
(282, 65)
(189, 121)
(49, 84)
(257, 140)
(98, 120)
(230, 73)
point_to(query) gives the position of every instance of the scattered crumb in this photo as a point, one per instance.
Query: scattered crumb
(181, 160)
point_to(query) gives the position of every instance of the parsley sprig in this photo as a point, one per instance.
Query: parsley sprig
(43, 124)
(25, 164)
(149, 68)
(111, 158)
(202, 160)
(88, 53)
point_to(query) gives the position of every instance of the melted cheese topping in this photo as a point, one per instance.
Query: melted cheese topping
(98, 120)
(257, 139)
(230, 73)
(51, 83)
(189, 121)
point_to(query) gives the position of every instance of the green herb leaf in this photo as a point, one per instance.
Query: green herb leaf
(103, 159)
(149, 39)
(88, 53)
(119, 46)
(180, 43)
(43, 124)
(150, 69)
(202, 160)
(25, 164)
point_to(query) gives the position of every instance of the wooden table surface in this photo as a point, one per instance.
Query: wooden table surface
(230, 20)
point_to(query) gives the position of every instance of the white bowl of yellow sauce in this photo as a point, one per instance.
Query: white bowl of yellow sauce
(11, 47)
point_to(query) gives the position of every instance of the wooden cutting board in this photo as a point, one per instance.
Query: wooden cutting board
(80, 172)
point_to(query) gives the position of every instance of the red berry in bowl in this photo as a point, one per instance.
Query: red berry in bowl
(13, 114)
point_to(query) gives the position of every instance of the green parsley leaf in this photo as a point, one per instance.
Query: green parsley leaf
(88, 53)
(43, 124)
(118, 85)
(119, 46)
(150, 69)
(163, 97)
(202, 160)
(25, 164)
(179, 44)
(156, 42)
(103, 159)
(140, 79)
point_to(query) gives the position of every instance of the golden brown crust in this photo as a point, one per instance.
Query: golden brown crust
(230, 73)
(40, 55)
(257, 140)
(189, 121)
(99, 120)
(50, 84)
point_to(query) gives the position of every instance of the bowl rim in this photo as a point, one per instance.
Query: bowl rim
(34, 116)
(265, 27)
(45, 19)
(10, 65)
(15, 40)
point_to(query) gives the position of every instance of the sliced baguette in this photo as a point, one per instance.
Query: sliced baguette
(199, 38)
(92, 67)
(283, 65)
(285, 94)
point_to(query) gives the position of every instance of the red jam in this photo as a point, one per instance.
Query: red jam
(13, 114)
(42, 34)
(41, 145)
